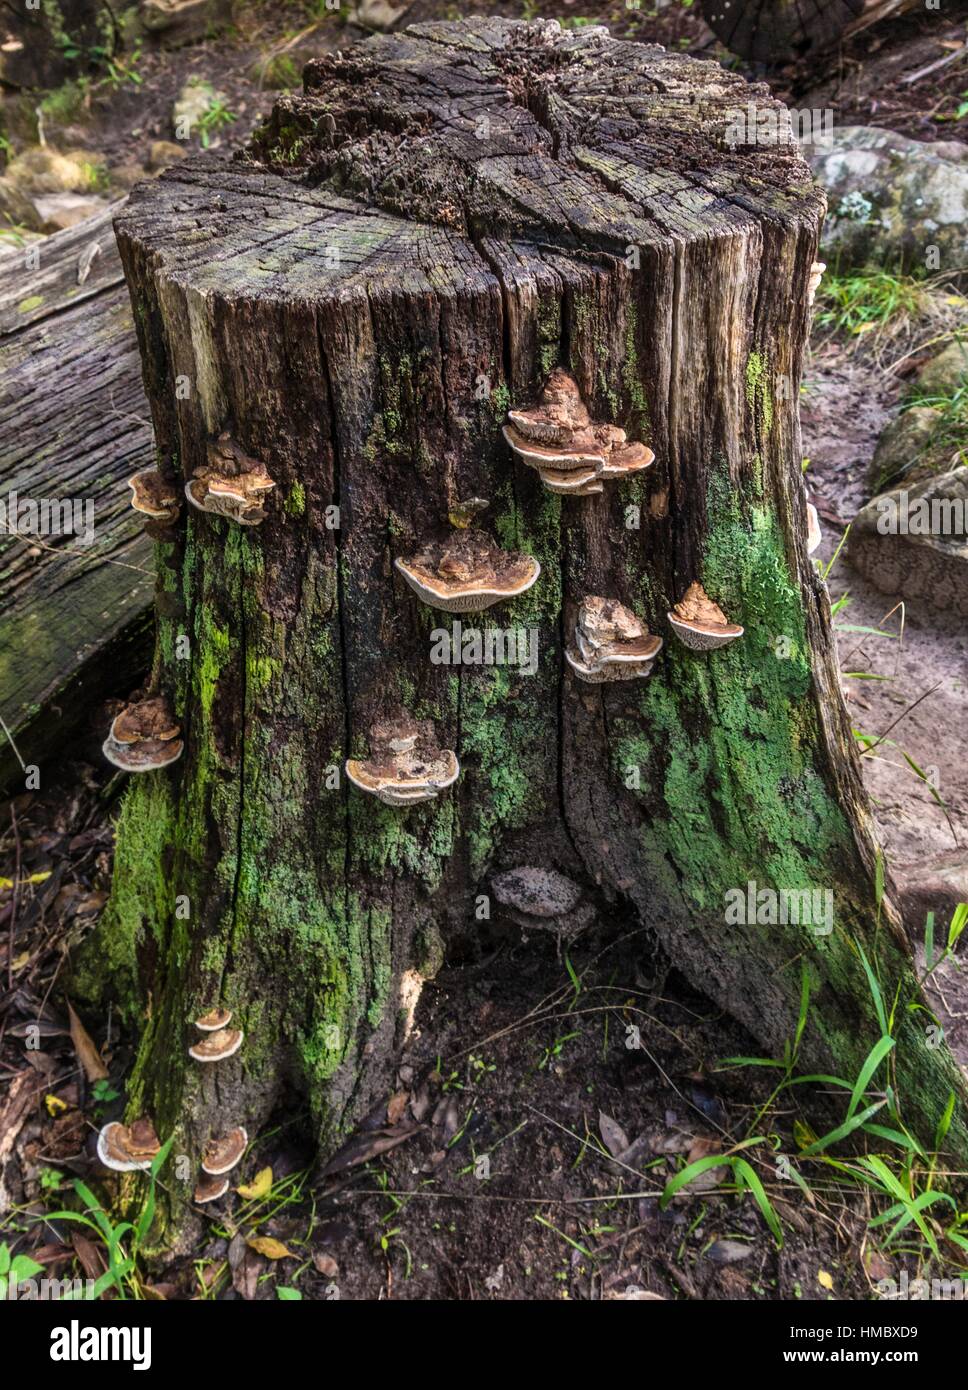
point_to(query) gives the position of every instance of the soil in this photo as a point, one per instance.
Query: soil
(520, 1053)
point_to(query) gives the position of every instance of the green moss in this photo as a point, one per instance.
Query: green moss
(296, 500)
(759, 398)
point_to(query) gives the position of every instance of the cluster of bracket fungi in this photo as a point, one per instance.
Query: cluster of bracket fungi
(610, 643)
(133, 1148)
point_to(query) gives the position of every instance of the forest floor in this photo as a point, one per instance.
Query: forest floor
(544, 1103)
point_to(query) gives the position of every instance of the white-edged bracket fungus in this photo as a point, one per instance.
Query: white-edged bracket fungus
(701, 624)
(466, 573)
(215, 1019)
(610, 643)
(144, 736)
(571, 453)
(813, 283)
(405, 765)
(215, 1047)
(210, 1189)
(155, 498)
(230, 484)
(128, 1148)
(814, 533)
(222, 1155)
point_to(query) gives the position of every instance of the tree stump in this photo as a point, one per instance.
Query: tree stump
(406, 251)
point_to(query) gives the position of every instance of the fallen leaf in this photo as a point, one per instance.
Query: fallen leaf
(272, 1249)
(613, 1135)
(55, 1106)
(260, 1186)
(825, 1280)
(396, 1107)
(362, 1147)
(728, 1252)
(325, 1264)
(87, 1053)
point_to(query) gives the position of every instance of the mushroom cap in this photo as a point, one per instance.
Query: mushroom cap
(145, 719)
(701, 624)
(210, 1189)
(611, 642)
(631, 458)
(221, 1155)
(128, 1148)
(604, 620)
(814, 533)
(405, 775)
(146, 756)
(153, 496)
(214, 1020)
(467, 573)
(596, 674)
(562, 458)
(583, 483)
(215, 1047)
(231, 502)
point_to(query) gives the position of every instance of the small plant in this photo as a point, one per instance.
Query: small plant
(212, 120)
(16, 1269)
(863, 302)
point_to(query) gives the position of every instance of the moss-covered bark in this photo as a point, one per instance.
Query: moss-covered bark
(374, 379)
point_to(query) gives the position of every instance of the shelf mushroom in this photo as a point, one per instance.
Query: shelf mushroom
(701, 624)
(405, 765)
(222, 1155)
(144, 736)
(213, 1020)
(813, 280)
(610, 643)
(466, 573)
(128, 1148)
(230, 484)
(216, 1047)
(814, 533)
(210, 1189)
(571, 453)
(155, 498)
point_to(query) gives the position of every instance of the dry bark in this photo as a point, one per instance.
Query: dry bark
(356, 302)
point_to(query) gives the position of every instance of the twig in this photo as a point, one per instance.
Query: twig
(16, 889)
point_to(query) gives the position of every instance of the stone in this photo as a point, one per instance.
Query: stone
(42, 170)
(904, 448)
(937, 885)
(536, 892)
(944, 374)
(162, 153)
(59, 211)
(912, 542)
(890, 198)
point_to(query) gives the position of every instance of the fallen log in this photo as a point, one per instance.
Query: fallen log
(75, 586)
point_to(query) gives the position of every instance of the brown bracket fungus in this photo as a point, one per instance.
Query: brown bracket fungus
(144, 736)
(466, 573)
(814, 533)
(405, 765)
(155, 498)
(611, 643)
(813, 282)
(571, 453)
(230, 484)
(128, 1148)
(215, 1019)
(215, 1047)
(542, 899)
(701, 624)
(222, 1155)
(210, 1189)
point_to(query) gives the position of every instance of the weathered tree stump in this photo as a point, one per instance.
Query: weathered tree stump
(408, 248)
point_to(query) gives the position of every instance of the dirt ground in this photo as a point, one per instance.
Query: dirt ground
(532, 1127)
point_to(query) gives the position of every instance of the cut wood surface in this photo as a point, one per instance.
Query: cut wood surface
(74, 424)
(408, 248)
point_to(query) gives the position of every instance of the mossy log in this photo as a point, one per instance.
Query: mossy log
(410, 245)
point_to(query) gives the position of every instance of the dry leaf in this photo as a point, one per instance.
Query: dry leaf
(397, 1106)
(260, 1186)
(87, 1053)
(272, 1249)
(55, 1106)
(613, 1135)
(825, 1280)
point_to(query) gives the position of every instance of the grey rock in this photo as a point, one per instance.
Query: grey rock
(16, 209)
(926, 556)
(536, 892)
(904, 447)
(890, 198)
(944, 374)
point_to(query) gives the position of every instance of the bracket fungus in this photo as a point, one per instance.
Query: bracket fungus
(405, 765)
(210, 1189)
(814, 533)
(610, 643)
(230, 484)
(571, 453)
(466, 573)
(701, 624)
(215, 1047)
(222, 1155)
(155, 498)
(144, 736)
(128, 1148)
(215, 1019)
(813, 282)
